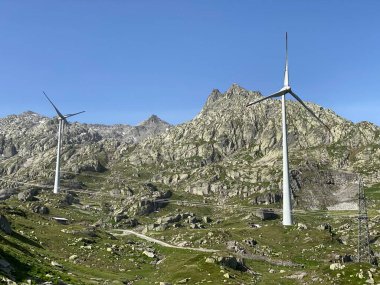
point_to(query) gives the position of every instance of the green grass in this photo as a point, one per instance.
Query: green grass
(38, 240)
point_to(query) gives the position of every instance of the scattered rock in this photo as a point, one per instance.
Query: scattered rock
(206, 219)
(325, 227)
(5, 266)
(7, 193)
(250, 242)
(210, 260)
(56, 264)
(337, 266)
(230, 262)
(5, 225)
(254, 226)
(297, 275)
(266, 214)
(183, 281)
(344, 239)
(69, 199)
(370, 279)
(301, 226)
(39, 209)
(129, 223)
(149, 254)
(5, 280)
(337, 258)
(227, 275)
(161, 227)
(183, 243)
(73, 257)
(28, 195)
(169, 219)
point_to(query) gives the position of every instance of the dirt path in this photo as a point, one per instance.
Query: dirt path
(162, 243)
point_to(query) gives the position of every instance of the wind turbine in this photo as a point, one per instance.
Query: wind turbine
(61, 122)
(286, 200)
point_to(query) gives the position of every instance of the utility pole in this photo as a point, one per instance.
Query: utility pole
(364, 251)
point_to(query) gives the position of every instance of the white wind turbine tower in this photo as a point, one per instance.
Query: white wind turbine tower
(62, 121)
(286, 200)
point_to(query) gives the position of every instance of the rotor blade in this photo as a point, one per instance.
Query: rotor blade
(70, 115)
(56, 109)
(307, 108)
(286, 75)
(277, 94)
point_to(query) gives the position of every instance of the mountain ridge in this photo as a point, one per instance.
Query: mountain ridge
(227, 148)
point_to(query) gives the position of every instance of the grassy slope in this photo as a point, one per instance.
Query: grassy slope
(37, 241)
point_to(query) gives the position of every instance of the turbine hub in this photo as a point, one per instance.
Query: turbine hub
(286, 88)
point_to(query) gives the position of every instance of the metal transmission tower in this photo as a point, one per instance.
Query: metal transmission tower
(364, 251)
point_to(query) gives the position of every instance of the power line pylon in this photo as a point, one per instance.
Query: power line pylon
(364, 251)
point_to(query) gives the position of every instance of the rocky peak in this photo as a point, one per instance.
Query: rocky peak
(29, 114)
(235, 98)
(235, 89)
(25, 120)
(154, 121)
(214, 96)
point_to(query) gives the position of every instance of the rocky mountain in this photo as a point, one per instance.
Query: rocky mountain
(165, 204)
(28, 144)
(131, 134)
(231, 150)
(227, 150)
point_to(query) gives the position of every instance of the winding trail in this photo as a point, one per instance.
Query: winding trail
(162, 243)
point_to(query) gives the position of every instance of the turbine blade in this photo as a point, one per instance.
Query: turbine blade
(277, 94)
(286, 75)
(56, 109)
(307, 108)
(70, 115)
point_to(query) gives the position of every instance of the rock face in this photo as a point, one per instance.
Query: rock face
(227, 150)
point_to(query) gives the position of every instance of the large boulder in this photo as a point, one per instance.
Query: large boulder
(69, 199)
(7, 193)
(266, 214)
(28, 195)
(40, 209)
(5, 225)
(230, 262)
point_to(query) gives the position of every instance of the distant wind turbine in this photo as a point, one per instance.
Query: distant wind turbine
(62, 121)
(286, 200)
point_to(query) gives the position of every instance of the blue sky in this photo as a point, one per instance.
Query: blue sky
(122, 61)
